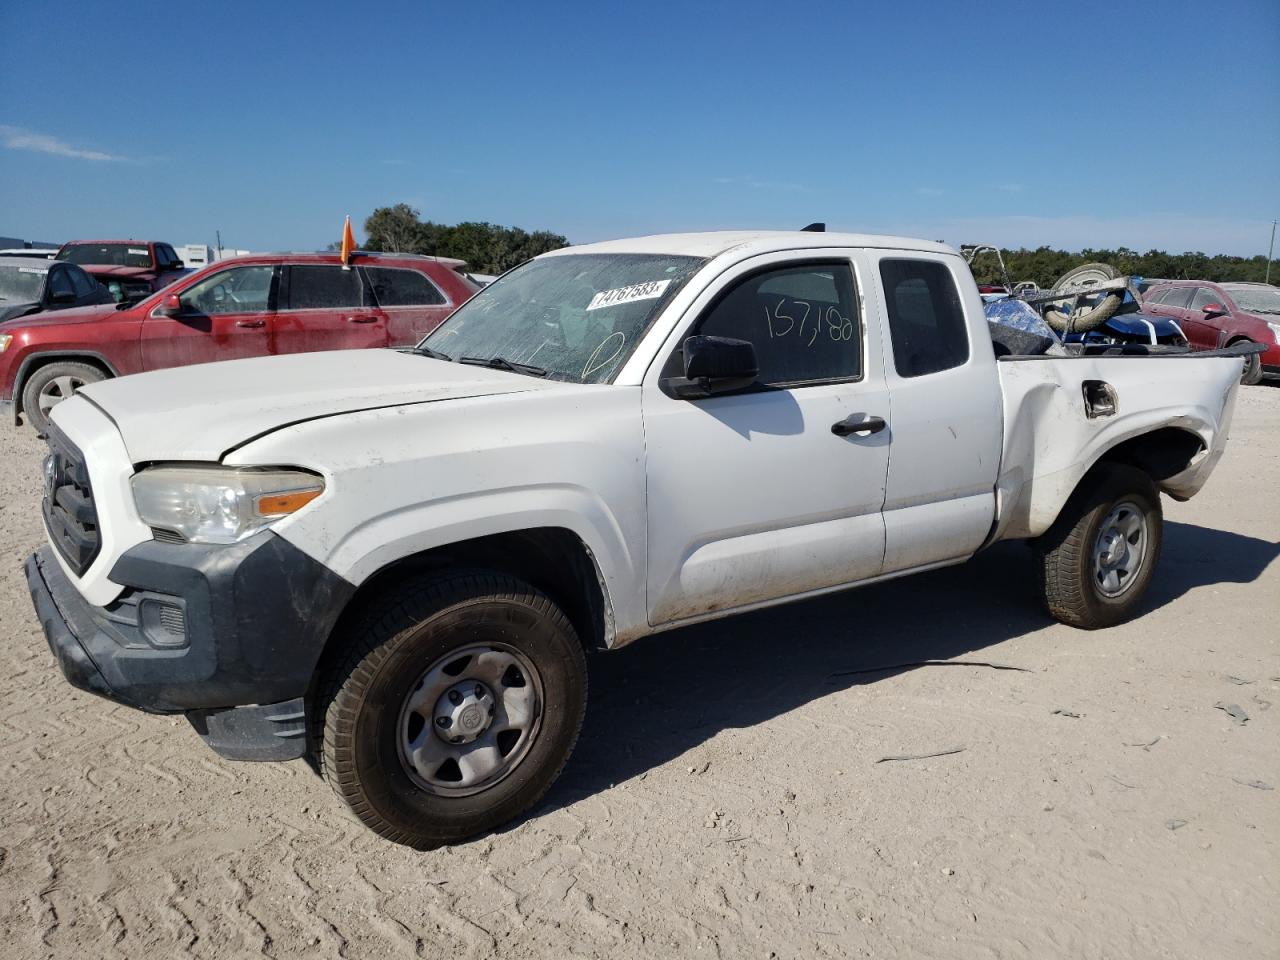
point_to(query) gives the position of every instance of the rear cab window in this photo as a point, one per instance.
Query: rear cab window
(927, 325)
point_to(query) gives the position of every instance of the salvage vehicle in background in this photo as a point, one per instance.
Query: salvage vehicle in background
(253, 306)
(1221, 314)
(130, 269)
(1090, 305)
(396, 560)
(29, 286)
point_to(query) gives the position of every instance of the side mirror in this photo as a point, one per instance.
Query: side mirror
(176, 264)
(714, 365)
(63, 296)
(170, 306)
(1213, 310)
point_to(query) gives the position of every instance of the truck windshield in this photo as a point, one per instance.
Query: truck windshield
(107, 254)
(576, 316)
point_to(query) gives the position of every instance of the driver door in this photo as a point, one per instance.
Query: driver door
(227, 315)
(753, 496)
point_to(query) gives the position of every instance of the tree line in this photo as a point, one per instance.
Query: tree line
(1045, 265)
(486, 247)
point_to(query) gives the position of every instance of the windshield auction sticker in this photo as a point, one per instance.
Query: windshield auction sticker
(40, 270)
(637, 291)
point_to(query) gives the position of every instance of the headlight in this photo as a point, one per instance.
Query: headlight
(220, 504)
(1275, 332)
(5, 340)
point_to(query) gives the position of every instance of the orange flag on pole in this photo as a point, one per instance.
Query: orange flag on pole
(348, 244)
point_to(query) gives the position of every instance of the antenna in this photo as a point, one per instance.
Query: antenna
(818, 227)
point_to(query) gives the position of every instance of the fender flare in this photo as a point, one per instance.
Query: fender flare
(40, 358)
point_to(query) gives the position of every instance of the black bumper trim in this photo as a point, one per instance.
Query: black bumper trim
(271, 731)
(257, 615)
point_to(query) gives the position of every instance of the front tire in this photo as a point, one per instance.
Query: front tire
(1097, 560)
(50, 385)
(455, 709)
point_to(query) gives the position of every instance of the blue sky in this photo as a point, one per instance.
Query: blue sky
(270, 121)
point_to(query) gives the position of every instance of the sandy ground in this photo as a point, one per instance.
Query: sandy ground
(725, 797)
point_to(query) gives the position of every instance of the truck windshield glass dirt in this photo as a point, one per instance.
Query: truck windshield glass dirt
(576, 316)
(107, 254)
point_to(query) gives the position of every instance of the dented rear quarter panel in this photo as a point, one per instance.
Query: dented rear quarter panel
(1050, 443)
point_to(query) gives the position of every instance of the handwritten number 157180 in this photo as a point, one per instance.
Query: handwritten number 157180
(815, 322)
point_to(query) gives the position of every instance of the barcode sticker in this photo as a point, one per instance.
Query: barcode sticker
(650, 290)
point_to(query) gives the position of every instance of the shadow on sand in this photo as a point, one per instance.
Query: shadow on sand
(661, 696)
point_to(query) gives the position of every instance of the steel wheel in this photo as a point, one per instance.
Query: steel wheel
(470, 719)
(57, 390)
(1119, 550)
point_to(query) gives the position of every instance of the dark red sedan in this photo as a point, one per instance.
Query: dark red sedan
(1219, 314)
(249, 306)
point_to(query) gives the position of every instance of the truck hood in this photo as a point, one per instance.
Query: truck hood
(202, 412)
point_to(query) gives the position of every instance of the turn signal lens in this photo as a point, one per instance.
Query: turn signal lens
(280, 504)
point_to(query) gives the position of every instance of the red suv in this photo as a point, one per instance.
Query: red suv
(1220, 314)
(130, 269)
(249, 306)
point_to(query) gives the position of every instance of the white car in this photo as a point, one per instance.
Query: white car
(396, 560)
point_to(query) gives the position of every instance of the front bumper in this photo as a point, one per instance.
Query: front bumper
(200, 629)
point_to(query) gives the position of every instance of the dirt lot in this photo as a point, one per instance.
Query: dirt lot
(726, 796)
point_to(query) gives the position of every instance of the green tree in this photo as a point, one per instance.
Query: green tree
(394, 229)
(486, 247)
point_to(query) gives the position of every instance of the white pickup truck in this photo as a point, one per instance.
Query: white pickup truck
(394, 561)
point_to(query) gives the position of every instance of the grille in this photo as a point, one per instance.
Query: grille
(69, 512)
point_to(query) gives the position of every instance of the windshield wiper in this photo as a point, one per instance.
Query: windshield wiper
(433, 354)
(502, 363)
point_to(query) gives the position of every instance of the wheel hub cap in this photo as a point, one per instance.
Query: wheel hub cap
(470, 719)
(464, 712)
(1120, 549)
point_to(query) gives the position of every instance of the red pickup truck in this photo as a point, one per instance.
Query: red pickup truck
(130, 269)
(249, 306)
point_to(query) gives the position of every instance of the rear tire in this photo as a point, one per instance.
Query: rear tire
(454, 709)
(50, 385)
(1252, 374)
(1096, 561)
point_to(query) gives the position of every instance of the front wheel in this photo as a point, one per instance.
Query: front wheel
(1098, 558)
(456, 707)
(50, 385)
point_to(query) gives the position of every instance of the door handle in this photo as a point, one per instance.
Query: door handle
(251, 323)
(362, 319)
(858, 423)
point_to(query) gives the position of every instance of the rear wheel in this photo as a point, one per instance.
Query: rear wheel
(1097, 560)
(456, 707)
(1252, 373)
(50, 385)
